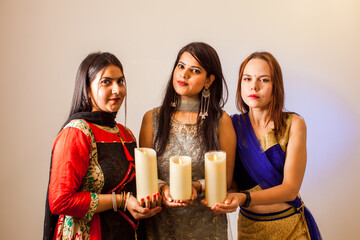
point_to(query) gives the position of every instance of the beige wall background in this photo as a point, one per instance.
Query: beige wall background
(43, 42)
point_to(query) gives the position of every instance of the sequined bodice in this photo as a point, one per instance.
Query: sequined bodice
(184, 140)
(194, 221)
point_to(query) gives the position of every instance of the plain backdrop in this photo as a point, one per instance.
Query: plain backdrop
(43, 42)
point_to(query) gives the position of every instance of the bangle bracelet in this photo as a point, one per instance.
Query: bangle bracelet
(114, 202)
(161, 181)
(121, 200)
(247, 200)
(124, 199)
(127, 200)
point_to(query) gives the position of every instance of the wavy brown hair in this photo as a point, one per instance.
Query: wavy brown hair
(277, 112)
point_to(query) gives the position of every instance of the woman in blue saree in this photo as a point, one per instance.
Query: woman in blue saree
(270, 159)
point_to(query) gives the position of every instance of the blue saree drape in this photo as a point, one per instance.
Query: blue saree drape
(265, 168)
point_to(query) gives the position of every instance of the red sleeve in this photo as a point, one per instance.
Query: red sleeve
(70, 163)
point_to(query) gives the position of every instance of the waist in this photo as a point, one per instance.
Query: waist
(277, 207)
(269, 216)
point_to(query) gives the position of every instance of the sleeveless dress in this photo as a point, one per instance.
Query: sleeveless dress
(194, 221)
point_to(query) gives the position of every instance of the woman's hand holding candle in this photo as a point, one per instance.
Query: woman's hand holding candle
(215, 177)
(146, 178)
(146, 173)
(138, 211)
(151, 202)
(231, 203)
(181, 191)
(170, 202)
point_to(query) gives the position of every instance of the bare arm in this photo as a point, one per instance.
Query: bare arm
(146, 140)
(146, 132)
(227, 139)
(294, 170)
(105, 203)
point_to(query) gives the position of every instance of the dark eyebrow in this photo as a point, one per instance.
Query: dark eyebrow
(108, 78)
(190, 66)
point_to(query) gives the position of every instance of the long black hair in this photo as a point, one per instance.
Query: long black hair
(86, 73)
(209, 60)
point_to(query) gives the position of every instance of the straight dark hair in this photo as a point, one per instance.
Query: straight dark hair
(277, 111)
(209, 60)
(86, 73)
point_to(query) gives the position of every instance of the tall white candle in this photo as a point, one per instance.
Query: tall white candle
(146, 172)
(215, 177)
(180, 177)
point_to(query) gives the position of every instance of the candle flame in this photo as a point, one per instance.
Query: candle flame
(144, 152)
(215, 157)
(180, 161)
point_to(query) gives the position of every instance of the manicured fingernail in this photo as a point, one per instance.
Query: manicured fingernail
(147, 197)
(142, 199)
(147, 210)
(154, 196)
(157, 194)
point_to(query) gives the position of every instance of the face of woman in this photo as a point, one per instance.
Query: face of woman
(256, 84)
(107, 91)
(189, 77)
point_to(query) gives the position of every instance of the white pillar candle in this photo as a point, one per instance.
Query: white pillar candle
(180, 177)
(146, 172)
(215, 177)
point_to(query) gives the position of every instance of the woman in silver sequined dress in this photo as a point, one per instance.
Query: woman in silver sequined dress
(190, 122)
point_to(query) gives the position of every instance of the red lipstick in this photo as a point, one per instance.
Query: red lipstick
(253, 96)
(182, 83)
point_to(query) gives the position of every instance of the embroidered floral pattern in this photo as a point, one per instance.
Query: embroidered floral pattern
(106, 128)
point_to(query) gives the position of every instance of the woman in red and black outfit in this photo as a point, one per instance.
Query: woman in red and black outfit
(92, 172)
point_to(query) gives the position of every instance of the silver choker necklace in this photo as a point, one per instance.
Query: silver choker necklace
(189, 105)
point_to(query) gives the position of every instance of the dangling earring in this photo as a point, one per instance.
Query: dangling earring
(173, 103)
(204, 104)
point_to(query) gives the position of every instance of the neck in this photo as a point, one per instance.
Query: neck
(189, 105)
(259, 117)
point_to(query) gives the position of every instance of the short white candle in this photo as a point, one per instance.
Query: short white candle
(146, 172)
(180, 177)
(215, 177)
